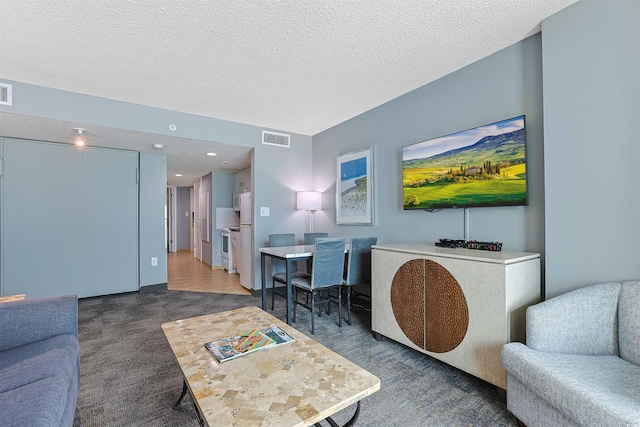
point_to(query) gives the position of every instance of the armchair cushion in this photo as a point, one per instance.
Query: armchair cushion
(629, 322)
(590, 390)
(583, 321)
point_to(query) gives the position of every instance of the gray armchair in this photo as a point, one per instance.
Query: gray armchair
(581, 363)
(279, 267)
(358, 279)
(327, 274)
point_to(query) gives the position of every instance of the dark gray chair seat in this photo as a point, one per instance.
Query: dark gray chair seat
(279, 267)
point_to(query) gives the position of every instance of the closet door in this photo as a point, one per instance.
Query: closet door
(70, 220)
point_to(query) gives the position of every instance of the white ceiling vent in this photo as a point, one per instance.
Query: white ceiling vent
(5, 94)
(273, 138)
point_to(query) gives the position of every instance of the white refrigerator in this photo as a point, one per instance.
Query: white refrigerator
(246, 237)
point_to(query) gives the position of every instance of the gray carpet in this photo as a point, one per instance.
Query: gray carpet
(130, 377)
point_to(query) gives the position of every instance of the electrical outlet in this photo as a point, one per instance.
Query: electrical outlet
(264, 211)
(154, 261)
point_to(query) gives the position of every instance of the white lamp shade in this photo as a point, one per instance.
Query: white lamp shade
(309, 200)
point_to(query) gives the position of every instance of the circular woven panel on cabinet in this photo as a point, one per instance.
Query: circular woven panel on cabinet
(429, 305)
(446, 311)
(407, 300)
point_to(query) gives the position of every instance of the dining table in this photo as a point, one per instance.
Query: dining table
(289, 254)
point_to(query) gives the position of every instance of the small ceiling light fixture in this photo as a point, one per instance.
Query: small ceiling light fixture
(158, 146)
(212, 154)
(80, 139)
(178, 174)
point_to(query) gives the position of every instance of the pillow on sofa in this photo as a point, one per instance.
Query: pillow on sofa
(629, 322)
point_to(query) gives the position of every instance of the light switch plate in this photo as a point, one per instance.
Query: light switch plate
(264, 211)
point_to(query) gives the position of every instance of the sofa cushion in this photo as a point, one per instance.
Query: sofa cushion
(34, 320)
(629, 322)
(67, 342)
(56, 362)
(588, 389)
(41, 403)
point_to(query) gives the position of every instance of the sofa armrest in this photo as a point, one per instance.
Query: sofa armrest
(583, 321)
(29, 321)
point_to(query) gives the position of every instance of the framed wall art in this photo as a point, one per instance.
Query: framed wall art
(354, 188)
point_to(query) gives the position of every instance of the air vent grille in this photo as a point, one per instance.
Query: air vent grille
(5, 94)
(273, 138)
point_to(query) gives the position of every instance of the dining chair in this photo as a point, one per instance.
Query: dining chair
(358, 279)
(327, 274)
(309, 239)
(279, 267)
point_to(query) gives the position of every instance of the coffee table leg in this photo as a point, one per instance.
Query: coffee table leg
(184, 391)
(349, 423)
(200, 420)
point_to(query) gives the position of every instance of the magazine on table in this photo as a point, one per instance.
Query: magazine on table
(246, 342)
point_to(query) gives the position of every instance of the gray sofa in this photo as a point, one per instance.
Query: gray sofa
(581, 364)
(39, 362)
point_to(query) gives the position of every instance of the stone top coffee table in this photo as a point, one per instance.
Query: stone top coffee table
(294, 384)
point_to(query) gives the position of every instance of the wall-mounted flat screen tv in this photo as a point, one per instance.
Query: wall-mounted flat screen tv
(479, 167)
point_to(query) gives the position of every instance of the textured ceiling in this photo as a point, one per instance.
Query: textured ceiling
(298, 66)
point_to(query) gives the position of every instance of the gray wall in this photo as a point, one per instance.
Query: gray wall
(207, 247)
(153, 197)
(183, 222)
(222, 183)
(274, 188)
(243, 180)
(591, 108)
(69, 219)
(591, 74)
(503, 85)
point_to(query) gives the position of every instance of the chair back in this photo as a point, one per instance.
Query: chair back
(328, 262)
(310, 239)
(284, 239)
(359, 264)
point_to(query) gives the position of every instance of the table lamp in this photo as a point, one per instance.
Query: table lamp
(309, 201)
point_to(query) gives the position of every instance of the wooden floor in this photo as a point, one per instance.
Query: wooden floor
(186, 273)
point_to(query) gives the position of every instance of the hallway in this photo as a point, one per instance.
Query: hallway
(186, 273)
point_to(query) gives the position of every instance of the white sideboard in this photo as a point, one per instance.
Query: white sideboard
(456, 305)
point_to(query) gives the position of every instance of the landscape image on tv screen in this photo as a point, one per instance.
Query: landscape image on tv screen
(479, 167)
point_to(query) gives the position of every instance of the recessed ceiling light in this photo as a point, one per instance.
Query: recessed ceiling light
(178, 174)
(212, 154)
(80, 139)
(158, 146)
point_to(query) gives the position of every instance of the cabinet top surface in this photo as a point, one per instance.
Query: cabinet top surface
(502, 257)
